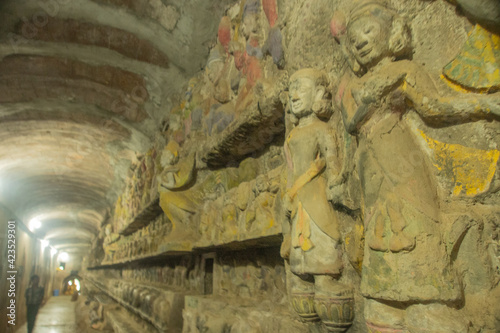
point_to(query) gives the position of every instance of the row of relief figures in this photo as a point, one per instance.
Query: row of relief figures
(406, 156)
(157, 293)
(427, 197)
(214, 99)
(235, 205)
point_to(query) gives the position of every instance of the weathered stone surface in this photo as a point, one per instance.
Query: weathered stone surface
(218, 315)
(72, 31)
(161, 308)
(405, 212)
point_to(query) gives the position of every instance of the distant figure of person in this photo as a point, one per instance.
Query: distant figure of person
(74, 296)
(34, 298)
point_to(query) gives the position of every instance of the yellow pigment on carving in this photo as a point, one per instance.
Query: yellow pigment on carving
(477, 67)
(470, 169)
(360, 234)
(454, 86)
(239, 19)
(360, 230)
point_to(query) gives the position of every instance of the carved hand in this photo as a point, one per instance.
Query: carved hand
(287, 203)
(168, 180)
(336, 189)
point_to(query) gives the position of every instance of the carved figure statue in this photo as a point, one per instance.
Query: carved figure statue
(406, 260)
(176, 200)
(219, 91)
(110, 244)
(313, 247)
(97, 318)
(148, 174)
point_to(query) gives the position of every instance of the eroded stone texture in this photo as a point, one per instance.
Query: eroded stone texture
(405, 214)
(384, 191)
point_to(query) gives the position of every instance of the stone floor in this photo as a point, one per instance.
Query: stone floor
(57, 316)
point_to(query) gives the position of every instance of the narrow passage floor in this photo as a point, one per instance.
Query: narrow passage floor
(56, 316)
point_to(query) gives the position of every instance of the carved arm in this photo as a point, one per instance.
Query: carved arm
(453, 108)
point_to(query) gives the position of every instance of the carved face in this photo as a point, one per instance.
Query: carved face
(302, 95)
(368, 40)
(250, 25)
(214, 69)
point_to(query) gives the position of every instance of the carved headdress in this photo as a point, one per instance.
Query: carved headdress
(399, 40)
(372, 8)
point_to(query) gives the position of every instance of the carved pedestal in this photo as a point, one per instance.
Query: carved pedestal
(335, 311)
(303, 304)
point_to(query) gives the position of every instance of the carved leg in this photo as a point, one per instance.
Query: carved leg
(439, 318)
(334, 303)
(382, 318)
(377, 242)
(399, 241)
(178, 207)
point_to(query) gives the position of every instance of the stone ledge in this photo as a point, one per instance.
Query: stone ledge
(245, 135)
(164, 306)
(148, 213)
(169, 250)
(273, 238)
(216, 314)
(122, 322)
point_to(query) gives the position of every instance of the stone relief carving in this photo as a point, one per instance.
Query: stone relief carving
(110, 244)
(412, 182)
(141, 190)
(178, 199)
(246, 211)
(238, 89)
(313, 246)
(476, 67)
(402, 204)
(185, 197)
(253, 274)
(145, 242)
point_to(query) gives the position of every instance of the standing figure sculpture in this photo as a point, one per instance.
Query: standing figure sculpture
(177, 197)
(313, 246)
(407, 268)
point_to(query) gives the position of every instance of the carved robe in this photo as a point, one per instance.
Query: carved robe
(315, 247)
(405, 255)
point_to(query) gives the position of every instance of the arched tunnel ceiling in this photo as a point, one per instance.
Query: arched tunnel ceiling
(84, 87)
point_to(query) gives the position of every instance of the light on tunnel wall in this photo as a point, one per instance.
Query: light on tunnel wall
(45, 243)
(52, 251)
(34, 224)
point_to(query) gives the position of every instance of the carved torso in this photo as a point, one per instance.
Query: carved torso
(401, 205)
(314, 223)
